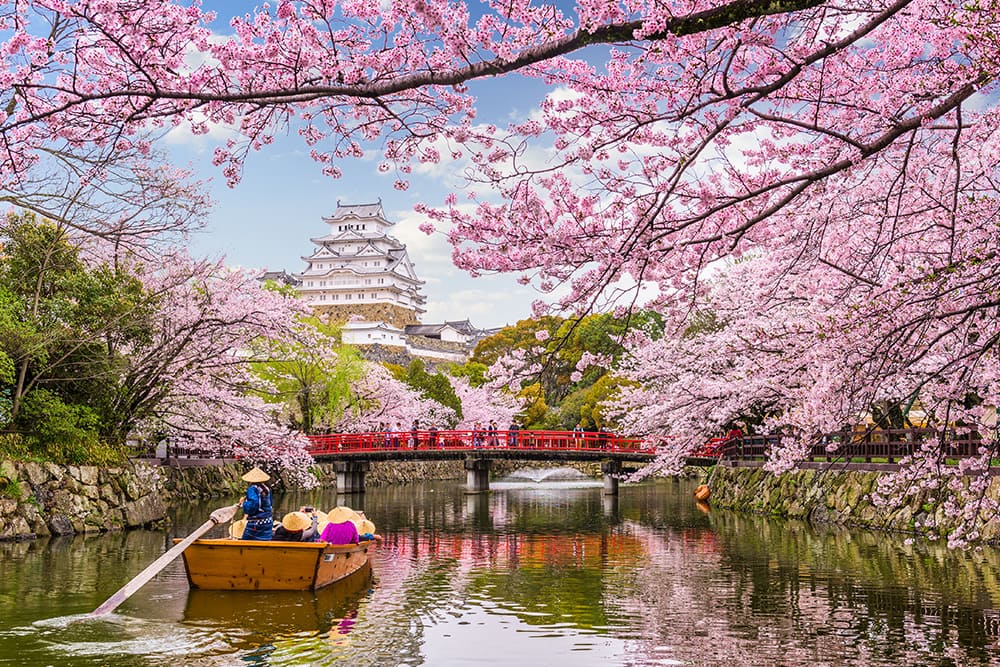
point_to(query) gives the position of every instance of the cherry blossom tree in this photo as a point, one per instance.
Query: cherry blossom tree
(858, 138)
(380, 397)
(126, 194)
(192, 380)
(481, 404)
(850, 150)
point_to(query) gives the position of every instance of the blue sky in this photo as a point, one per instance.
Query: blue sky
(267, 220)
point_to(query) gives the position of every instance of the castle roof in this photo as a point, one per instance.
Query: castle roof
(359, 211)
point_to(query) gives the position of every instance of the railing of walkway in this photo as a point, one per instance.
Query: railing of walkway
(342, 443)
(868, 446)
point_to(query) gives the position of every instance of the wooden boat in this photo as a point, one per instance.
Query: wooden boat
(244, 565)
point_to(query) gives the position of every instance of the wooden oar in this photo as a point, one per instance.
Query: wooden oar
(221, 515)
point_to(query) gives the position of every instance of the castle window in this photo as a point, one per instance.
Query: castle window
(373, 295)
(322, 297)
(347, 297)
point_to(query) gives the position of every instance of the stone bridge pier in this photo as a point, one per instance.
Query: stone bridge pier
(351, 475)
(611, 469)
(477, 475)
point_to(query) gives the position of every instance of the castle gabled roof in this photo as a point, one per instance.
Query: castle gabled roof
(345, 236)
(359, 211)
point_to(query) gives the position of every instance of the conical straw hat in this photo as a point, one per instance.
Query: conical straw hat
(366, 526)
(340, 514)
(237, 528)
(296, 521)
(256, 475)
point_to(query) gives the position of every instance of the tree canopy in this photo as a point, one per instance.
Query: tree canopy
(822, 176)
(852, 148)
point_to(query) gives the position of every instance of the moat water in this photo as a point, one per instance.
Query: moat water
(534, 573)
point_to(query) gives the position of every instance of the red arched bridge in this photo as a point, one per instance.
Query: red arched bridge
(353, 452)
(864, 448)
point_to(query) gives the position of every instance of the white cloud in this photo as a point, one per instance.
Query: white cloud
(182, 135)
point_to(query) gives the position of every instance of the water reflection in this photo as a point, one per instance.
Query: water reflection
(530, 575)
(279, 612)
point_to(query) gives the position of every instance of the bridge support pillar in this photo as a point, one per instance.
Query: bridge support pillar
(477, 475)
(351, 475)
(611, 469)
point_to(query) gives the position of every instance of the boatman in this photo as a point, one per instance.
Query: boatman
(257, 506)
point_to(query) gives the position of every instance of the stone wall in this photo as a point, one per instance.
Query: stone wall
(390, 313)
(46, 499)
(831, 496)
(39, 499)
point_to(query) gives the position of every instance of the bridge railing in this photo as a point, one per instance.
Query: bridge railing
(472, 440)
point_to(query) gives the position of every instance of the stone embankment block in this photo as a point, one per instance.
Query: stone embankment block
(841, 497)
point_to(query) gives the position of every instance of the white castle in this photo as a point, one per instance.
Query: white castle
(361, 277)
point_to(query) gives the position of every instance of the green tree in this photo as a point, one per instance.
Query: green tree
(584, 405)
(558, 345)
(475, 372)
(38, 267)
(535, 408)
(434, 386)
(64, 331)
(311, 376)
(8, 311)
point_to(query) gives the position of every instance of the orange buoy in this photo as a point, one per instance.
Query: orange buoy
(702, 492)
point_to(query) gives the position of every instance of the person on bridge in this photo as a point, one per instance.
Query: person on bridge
(477, 435)
(415, 434)
(257, 506)
(512, 432)
(432, 437)
(491, 431)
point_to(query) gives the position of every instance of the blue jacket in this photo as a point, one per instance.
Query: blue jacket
(257, 507)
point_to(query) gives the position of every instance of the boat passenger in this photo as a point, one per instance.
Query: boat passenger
(297, 527)
(341, 528)
(366, 531)
(236, 529)
(257, 506)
